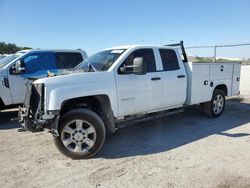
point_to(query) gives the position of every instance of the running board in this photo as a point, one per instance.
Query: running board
(131, 120)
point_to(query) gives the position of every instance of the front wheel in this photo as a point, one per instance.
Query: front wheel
(81, 134)
(215, 107)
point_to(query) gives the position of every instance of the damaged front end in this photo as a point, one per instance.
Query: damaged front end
(33, 115)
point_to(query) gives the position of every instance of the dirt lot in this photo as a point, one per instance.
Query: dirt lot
(183, 150)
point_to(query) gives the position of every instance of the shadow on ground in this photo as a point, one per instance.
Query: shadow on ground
(175, 131)
(8, 120)
(164, 134)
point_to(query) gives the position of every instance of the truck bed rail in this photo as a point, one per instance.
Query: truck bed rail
(181, 45)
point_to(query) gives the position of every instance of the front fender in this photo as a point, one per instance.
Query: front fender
(56, 96)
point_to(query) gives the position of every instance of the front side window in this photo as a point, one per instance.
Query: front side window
(148, 58)
(66, 60)
(38, 61)
(100, 61)
(169, 60)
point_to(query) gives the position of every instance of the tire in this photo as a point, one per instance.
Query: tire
(215, 107)
(1, 108)
(1, 105)
(81, 134)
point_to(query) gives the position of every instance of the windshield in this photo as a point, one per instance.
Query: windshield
(100, 61)
(8, 59)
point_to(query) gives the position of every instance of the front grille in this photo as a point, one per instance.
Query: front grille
(36, 105)
(28, 93)
(33, 110)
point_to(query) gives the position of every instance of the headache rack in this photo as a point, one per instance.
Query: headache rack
(183, 52)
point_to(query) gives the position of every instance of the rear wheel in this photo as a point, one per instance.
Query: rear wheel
(215, 107)
(81, 134)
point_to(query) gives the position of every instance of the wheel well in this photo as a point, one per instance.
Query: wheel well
(223, 88)
(100, 104)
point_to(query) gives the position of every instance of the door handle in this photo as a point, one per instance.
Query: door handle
(155, 78)
(5, 82)
(181, 76)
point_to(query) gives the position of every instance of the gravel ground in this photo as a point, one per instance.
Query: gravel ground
(183, 150)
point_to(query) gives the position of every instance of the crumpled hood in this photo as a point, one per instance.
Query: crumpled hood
(51, 73)
(73, 77)
(66, 72)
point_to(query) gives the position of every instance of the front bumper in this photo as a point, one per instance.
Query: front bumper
(36, 125)
(32, 115)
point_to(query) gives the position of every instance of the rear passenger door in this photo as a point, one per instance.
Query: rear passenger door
(174, 79)
(139, 93)
(68, 60)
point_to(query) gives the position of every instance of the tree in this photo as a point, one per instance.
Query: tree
(10, 48)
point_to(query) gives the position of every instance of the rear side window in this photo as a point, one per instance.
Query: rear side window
(65, 60)
(169, 60)
(146, 54)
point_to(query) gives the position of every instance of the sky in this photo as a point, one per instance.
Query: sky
(93, 25)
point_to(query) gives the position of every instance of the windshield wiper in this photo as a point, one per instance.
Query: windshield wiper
(92, 67)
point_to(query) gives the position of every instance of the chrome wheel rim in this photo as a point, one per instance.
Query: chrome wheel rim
(218, 104)
(78, 136)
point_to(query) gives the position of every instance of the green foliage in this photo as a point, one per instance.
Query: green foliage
(10, 48)
(204, 59)
(246, 62)
(210, 60)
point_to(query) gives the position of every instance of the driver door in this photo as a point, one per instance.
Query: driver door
(139, 93)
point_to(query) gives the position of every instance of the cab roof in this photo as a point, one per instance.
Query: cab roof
(53, 50)
(126, 47)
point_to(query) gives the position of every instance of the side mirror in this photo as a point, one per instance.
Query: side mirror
(139, 66)
(18, 67)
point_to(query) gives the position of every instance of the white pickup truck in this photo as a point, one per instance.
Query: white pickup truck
(120, 86)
